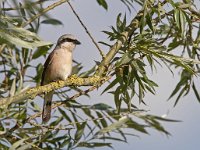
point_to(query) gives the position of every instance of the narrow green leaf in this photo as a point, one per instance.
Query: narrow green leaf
(149, 23)
(134, 125)
(141, 94)
(177, 18)
(178, 87)
(143, 19)
(94, 144)
(79, 131)
(76, 69)
(26, 146)
(16, 144)
(41, 51)
(138, 78)
(90, 115)
(52, 22)
(117, 98)
(13, 87)
(116, 125)
(25, 55)
(195, 92)
(20, 83)
(165, 119)
(126, 58)
(60, 138)
(172, 3)
(110, 34)
(112, 84)
(57, 121)
(118, 21)
(154, 123)
(138, 65)
(103, 43)
(102, 119)
(87, 73)
(64, 114)
(35, 106)
(124, 23)
(182, 22)
(112, 138)
(179, 96)
(103, 4)
(22, 10)
(101, 106)
(65, 142)
(174, 44)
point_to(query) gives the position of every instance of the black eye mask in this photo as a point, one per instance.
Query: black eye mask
(70, 40)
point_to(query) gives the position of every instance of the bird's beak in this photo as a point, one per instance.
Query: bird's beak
(77, 42)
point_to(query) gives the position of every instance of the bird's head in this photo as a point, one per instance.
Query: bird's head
(68, 41)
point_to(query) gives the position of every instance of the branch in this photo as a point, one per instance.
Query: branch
(116, 47)
(58, 104)
(33, 92)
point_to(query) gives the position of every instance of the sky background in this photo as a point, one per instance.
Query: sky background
(185, 134)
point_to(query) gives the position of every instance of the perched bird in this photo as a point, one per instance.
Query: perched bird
(58, 66)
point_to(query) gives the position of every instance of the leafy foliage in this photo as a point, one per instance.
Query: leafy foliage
(19, 36)
(161, 29)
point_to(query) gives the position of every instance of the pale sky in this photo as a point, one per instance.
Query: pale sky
(185, 135)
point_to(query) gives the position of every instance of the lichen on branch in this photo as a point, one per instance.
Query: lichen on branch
(31, 93)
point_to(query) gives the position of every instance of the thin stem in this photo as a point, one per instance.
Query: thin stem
(86, 30)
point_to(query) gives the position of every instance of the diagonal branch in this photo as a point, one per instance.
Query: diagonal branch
(116, 47)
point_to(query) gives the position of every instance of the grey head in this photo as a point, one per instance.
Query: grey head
(68, 38)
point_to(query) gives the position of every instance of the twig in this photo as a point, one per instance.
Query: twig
(49, 127)
(43, 11)
(86, 30)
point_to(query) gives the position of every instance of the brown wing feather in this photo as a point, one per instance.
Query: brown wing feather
(46, 114)
(46, 64)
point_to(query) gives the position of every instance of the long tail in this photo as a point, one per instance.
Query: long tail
(46, 114)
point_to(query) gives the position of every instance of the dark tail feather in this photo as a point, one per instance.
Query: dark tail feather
(46, 114)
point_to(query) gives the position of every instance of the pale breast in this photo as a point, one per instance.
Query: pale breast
(61, 66)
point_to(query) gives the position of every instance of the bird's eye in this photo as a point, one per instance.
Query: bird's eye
(66, 40)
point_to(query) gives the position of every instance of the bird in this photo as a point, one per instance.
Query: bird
(58, 66)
